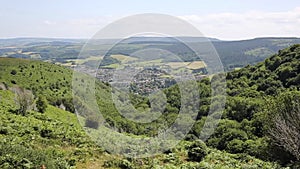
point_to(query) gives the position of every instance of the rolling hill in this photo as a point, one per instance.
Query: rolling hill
(56, 139)
(233, 54)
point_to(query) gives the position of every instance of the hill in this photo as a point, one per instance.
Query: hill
(49, 80)
(241, 53)
(234, 54)
(55, 140)
(278, 72)
(241, 139)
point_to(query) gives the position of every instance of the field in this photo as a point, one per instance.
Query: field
(232, 53)
(123, 58)
(139, 63)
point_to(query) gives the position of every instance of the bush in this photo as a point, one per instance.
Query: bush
(285, 117)
(41, 104)
(13, 72)
(235, 146)
(91, 123)
(123, 164)
(20, 157)
(46, 133)
(24, 100)
(197, 151)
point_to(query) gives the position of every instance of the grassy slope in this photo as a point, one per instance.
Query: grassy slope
(50, 80)
(55, 130)
(69, 139)
(65, 134)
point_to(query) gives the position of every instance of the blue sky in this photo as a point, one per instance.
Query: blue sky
(225, 19)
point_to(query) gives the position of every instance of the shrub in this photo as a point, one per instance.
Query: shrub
(13, 72)
(21, 157)
(46, 133)
(24, 100)
(235, 146)
(285, 117)
(91, 123)
(123, 164)
(197, 151)
(41, 104)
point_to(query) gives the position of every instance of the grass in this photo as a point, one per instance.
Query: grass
(65, 135)
(113, 66)
(177, 65)
(155, 62)
(81, 61)
(261, 52)
(62, 115)
(124, 59)
(196, 65)
(189, 65)
(51, 80)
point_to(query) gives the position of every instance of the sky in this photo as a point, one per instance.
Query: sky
(222, 19)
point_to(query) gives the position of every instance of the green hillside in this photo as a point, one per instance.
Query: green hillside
(279, 72)
(55, 139)
(49, 80)
(241, 140)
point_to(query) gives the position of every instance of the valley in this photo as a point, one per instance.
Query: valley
(54, 129)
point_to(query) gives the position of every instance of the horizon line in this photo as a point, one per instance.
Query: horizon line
(81, 38)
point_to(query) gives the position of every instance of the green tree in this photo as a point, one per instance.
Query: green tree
(91, 123)
(24, 100)
(285, 129)
(41, 104)
(13, 72)
(197, 151)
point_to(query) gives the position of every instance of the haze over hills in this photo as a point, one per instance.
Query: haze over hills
(233, 54)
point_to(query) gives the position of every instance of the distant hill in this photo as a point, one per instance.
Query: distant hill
(276, 73)
(143, 40)
(233, 54)
(29, 41)
(241, 53)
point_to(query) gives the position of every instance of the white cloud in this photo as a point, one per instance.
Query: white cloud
(225, 26)
(73, 28)
(247, 25)
(90, 22)
(49, 22)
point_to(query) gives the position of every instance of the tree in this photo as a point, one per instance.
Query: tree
(13, 72)
(91, 123)
(197, 151)
(24, 100)
(285, 129)
(41, 104)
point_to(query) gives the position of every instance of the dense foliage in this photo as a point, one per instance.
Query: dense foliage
(241, 140)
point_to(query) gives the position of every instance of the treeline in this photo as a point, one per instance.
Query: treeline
(251, 113)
